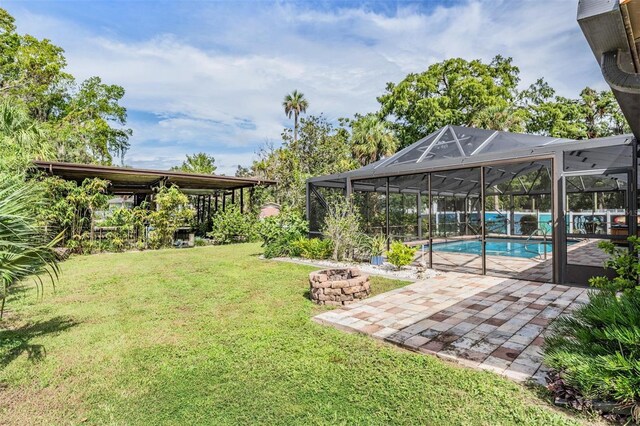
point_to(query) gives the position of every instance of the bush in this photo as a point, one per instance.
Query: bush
(401, 255)
(528, 224)
(172, 212)
(342, 227)
(377, 245)
(200, 242)
(596, 349)
(232, 226)
(313, 248)
(278, 233)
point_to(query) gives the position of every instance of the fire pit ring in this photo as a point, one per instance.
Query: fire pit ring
(338, 286)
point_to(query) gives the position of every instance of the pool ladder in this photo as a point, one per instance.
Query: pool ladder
(539, 231)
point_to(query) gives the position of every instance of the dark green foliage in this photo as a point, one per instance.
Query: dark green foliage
(278, 233)
(624, 262)
(232, 226)
(400, 255)
(25, 248)
(597, 348)
(528, 224)
(313, 248)
(127, 228)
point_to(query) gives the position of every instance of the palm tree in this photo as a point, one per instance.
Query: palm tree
(24, 248)
(500, 117)
(372, 139)
(22, 140)
(295, 103)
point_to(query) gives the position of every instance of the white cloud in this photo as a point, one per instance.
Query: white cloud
(219, 88)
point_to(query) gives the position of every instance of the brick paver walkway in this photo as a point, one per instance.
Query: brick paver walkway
(484, 322)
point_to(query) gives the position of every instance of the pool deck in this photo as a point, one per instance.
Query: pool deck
(483, 322)
(532, 269)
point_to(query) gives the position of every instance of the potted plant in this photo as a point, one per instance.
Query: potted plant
(377, 246)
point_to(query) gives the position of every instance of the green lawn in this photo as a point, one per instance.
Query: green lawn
(215, 335)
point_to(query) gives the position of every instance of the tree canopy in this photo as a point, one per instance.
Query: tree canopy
(83, 121)
(201, 162)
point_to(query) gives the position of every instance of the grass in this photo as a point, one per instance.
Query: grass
(214, 335)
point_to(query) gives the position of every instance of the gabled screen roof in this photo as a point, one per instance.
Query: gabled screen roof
(462, 142)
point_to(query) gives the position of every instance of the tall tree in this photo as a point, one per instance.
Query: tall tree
(450, 92)
(295, 104)
(84, 122)
(201, 162)
(372, 139)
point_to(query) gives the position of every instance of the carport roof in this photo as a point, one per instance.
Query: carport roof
(126, 180)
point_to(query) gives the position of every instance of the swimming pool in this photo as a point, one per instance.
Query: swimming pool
(509, 248)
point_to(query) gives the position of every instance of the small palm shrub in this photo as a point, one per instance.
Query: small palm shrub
(279, 232)
(232, 226)
(313, 248)
(400, 254)
(25, 248)
(596, 349)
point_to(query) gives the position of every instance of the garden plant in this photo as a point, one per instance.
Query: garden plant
(596, 349)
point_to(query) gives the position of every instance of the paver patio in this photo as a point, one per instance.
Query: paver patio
(483, 322)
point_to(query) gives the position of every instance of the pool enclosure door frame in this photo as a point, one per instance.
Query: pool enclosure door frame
(580, 273)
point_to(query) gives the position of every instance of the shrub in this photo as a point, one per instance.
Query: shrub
(377, 245)
(129, 227)
(400, 255)
(624, 262)
(278, 233)
(342, 227)
(528, 224)
(172, 212)
(596, 349)
(313, 248)
(232, 226)
(200, 242)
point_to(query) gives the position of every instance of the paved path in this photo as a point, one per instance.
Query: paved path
(484, 322)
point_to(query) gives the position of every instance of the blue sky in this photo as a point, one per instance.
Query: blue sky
(210, 76)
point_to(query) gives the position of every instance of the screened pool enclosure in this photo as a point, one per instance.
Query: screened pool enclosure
(496, 203)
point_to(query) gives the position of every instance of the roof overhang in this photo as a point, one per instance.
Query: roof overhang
(612, 29)
(126, 180)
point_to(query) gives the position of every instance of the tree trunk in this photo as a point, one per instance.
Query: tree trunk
(295, 127)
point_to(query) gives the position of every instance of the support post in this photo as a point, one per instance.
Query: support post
(430, 222)
(241, 200)
(559, 241)
(233, 196)
(216, 202)
(308, 202)
(512, 216)
(633, 192)
(419, 210)
(483, 225)
(387, 234)
(224, 200)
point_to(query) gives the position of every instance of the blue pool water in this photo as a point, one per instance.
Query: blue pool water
(510, 248)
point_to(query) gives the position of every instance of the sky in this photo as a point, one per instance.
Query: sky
(210, 76)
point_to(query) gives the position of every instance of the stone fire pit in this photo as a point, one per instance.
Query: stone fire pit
(338, 286)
